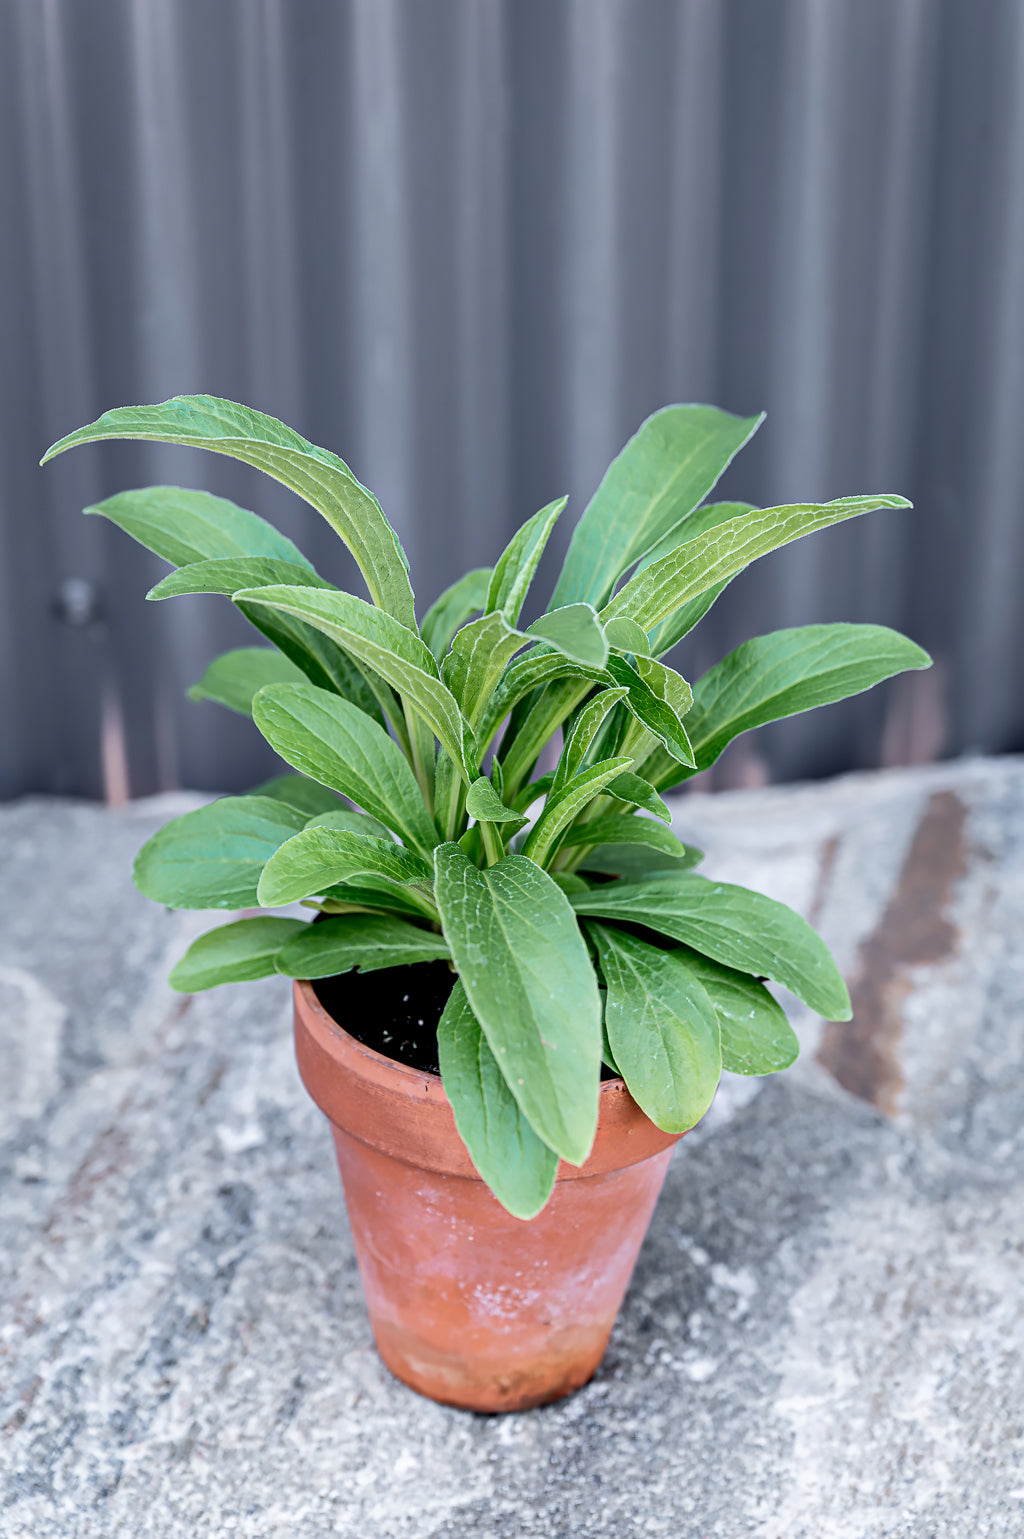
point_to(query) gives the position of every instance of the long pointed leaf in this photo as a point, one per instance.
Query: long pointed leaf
(451, 609)
(665, 470)
(314, 474)
(528, 977)
(477, 660)
(333, 742)
(584, 729)
(732, 925)
(789, 671)
(514, 568)
(234, 953)
(393, 651)
(697, 565)
(517, 1166)
(626, 828)
(561, 807)
(182, 526)
(365, 942)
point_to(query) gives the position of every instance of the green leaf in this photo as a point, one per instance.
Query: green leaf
(525, 675)
(562, 806)
(229, 575)
(233, 953)
(320, 660)
(682, 620)
(233, 678)
(662, 1029)
(665, 470)
(351, 822)
(517, 1166)
(638, 862)
(584, 729)
(630, 787)
(212, 858)
(756, 1036)
(576, 631)
(626, 636)
(698, 564)
(316, 475)
(366, 942)
(625, 828)
(336, 744)
(514, 569)
(530, 983)
(791, 671)
(318, 858)
(379, 641)
(732, 925)
(449, 612)
(484, 804)
(479, 653)
(305, 795)
(645, 699)
(184, 526)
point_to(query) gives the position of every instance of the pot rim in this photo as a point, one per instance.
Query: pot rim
(405, 1113)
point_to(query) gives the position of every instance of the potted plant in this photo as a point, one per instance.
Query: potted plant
(516, 992)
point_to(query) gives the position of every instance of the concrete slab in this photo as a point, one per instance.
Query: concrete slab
(824, 1337)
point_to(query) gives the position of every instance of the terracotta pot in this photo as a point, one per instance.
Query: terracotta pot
(469, 1305)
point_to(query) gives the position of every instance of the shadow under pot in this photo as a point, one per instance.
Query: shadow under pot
(470, 1306)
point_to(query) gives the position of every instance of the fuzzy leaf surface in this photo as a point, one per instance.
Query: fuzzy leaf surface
(477, 660)
(789, 671)
(316, 475)
(562, 806)
(664, 471)
(333, 742)
(365, 942)
(582, 734)
(212, 858)
(390, 649)
(514, 568)
(530, 983)
(638, 862)
(662, 1029)
(318, 858)
(182, 526)
(233, 953)
(451, 609)
(698, 564)
(517, 1166)
(742, 929)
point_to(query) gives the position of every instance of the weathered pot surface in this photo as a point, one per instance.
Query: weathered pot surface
(471, 1306)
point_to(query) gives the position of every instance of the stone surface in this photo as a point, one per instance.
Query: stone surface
(824, 1337)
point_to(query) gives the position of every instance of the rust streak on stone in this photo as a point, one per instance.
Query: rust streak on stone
(863, 1054)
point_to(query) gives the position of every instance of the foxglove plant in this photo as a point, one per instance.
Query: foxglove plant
(581, 935)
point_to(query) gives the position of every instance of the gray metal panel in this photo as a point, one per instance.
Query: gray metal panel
(470, 244)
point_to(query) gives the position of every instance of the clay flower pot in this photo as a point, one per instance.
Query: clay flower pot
(469, 1305)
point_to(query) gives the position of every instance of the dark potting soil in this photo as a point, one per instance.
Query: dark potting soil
(394, 1011)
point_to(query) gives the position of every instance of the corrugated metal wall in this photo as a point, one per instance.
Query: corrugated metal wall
(470, 244)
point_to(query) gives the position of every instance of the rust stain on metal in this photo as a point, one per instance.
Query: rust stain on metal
(863, 1054)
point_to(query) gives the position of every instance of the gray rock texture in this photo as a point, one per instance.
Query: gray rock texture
(824, 1338)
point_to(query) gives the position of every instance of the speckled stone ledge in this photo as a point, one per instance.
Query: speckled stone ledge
(825, 1335)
